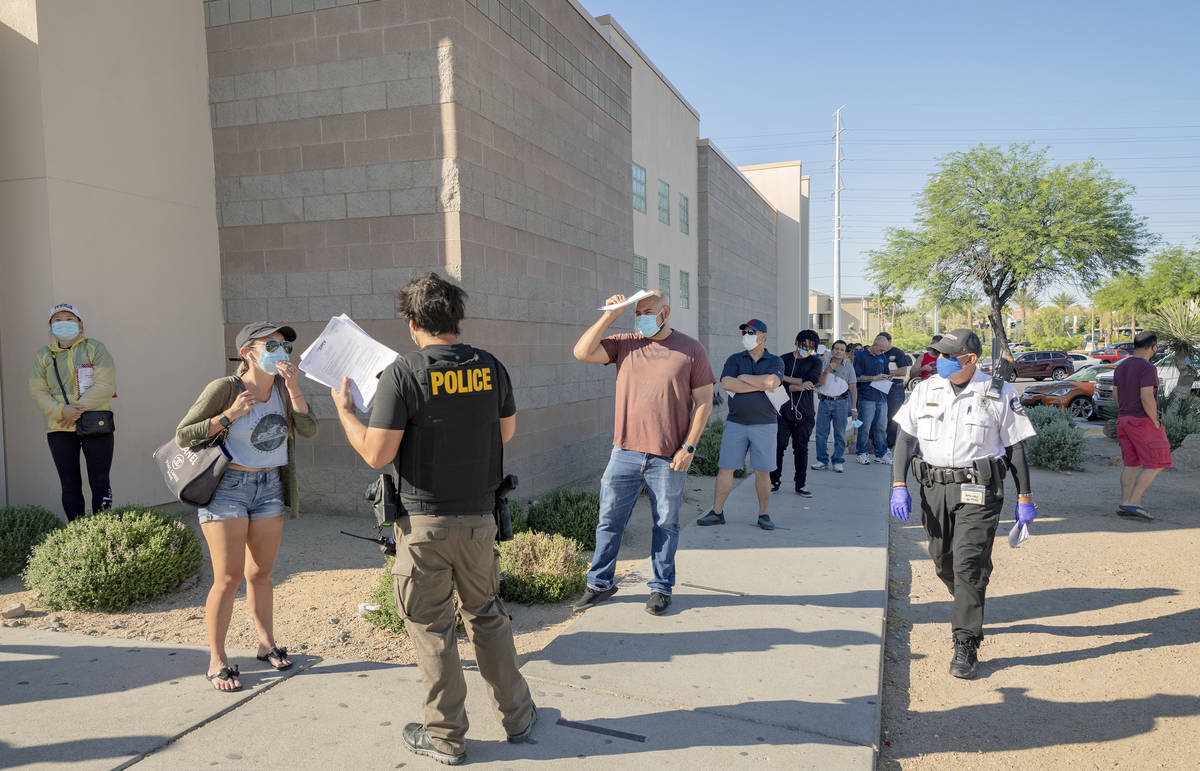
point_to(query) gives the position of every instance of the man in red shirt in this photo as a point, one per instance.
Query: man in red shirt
(1145, 450)
(929, 359)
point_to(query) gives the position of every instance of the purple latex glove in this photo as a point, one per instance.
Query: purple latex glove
(901, 503)
(1026, 512)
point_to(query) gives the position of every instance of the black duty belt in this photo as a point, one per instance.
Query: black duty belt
(984, 471)
(825, 398)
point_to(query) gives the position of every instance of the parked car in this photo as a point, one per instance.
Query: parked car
(1038, 365)
(1106, 406)
(1073, 392)
(1112, 353)
(1082, 360)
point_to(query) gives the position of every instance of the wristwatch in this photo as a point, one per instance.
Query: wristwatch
(691, 448)
(224, 421)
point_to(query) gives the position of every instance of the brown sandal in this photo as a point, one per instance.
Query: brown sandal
(226, 674)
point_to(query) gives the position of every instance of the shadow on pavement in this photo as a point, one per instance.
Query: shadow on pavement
(869, 599)
(1046, 602)
(76, 751)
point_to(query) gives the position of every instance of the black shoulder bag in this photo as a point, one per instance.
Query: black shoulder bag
(91, 422)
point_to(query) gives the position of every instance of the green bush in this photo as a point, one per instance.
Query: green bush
(708, 452)
(387, 617)
(572, 513)
(1179, 427)
(22, 528)
(541, 568)
(114, 559)
(1057, 446)
(1044, 415)
(516, 513)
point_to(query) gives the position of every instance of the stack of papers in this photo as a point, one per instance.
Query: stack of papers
(344, 350)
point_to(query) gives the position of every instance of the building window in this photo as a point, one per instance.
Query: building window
(639, 189)
(639, 272)
(664, 203)
(683, 215)
(685, 287)
(664, 281)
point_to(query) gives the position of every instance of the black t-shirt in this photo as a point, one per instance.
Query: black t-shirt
(897, 357)
(399, 396)
(808, 368)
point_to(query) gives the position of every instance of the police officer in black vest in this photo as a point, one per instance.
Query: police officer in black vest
(440, 416)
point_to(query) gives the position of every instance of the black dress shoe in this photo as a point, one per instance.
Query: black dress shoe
(658, 603)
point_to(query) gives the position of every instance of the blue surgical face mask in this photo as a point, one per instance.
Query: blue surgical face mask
(647, 325)
(948, 367)
(65, 330)
(269, 360)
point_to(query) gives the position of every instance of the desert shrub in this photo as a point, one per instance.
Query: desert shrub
(387, 617)
(571, 513)
(1056, 446)
(1110, 428)
(1044, 415)
(516, 513)
(1179, 427)
(22, 528)
(114, 559)
(708, 452)
(541, 568)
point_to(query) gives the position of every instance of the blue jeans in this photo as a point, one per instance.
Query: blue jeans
(874, 416)
(619, 488)
(835, 413)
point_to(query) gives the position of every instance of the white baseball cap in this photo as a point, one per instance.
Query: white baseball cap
(65, 307)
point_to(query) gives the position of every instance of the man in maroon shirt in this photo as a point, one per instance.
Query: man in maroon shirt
(663, 400)
(1145, 450)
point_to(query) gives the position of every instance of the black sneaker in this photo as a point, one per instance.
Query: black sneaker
(417, 740)
(711, 518)
(775, 486)
(803, 491)
(594, 597)
(525, 735)
(657, 604)
(965, 658)
(765, 522)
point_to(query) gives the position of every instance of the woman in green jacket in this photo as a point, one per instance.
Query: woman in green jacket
(71, 375)
(256, 416)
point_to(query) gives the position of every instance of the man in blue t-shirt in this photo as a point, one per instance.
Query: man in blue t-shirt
(871, 366)
(750, 425)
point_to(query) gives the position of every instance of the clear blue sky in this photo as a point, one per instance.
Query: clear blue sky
(1117, 81)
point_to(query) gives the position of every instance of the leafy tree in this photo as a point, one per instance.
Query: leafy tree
(1000, 221)
(1173, 272)
(1177, 323)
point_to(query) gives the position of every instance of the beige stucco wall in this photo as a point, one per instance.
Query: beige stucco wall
(786, 188)
(106, 201)
(665, 131)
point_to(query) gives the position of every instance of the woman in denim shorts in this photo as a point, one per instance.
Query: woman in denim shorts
(255, 415)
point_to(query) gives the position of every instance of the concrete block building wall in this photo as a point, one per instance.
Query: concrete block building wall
(738, 265)
(359, 144)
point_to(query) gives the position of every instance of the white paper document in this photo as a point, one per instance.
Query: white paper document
(628, 300)
(882, 386)
(1018, 535)
(778, 397)
(343, 349)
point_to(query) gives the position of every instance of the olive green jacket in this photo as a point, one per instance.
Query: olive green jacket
(217, 397)
(43, 385)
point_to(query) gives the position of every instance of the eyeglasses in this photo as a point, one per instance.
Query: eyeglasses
(274, 345)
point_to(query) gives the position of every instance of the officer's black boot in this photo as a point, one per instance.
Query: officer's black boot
(965, 658)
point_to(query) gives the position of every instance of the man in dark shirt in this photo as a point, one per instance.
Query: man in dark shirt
(898, 363)
(750, 425)
(871, 366)
(1145, 450)
(797, 417)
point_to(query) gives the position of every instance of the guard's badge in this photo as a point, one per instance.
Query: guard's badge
(1017, 407)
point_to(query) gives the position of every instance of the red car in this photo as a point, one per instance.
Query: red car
(1111, 355)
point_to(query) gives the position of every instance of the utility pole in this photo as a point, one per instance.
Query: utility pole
(837, 223)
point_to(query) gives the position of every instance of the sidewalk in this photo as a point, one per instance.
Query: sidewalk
(769, 656)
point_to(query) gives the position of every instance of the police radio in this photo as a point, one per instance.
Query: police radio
(996, 387)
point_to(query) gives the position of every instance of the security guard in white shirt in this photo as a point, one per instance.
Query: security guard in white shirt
(970, 430)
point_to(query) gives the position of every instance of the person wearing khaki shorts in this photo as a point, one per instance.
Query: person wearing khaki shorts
(440, 418)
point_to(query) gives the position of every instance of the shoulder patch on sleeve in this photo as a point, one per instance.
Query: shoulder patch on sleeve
(1015, 405)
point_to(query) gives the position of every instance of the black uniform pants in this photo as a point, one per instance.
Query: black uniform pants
(795, 427)
(895, 400)
(960, 543)
(98, 453)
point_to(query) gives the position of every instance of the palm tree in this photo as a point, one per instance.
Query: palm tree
(1028, 302)
(1062, 301)
(1177, 324)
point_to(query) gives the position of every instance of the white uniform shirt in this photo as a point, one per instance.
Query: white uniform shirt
(956, 430)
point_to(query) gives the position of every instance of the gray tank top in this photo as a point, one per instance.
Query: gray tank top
(258, 439)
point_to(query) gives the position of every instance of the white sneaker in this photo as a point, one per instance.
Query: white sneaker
(864, 459)
(886, 459)
(819, 467)
(839, 468)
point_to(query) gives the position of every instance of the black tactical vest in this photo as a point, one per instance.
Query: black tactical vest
(451, 455)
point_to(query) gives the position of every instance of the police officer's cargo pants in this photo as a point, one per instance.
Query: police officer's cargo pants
(434, 556)
(960, 543)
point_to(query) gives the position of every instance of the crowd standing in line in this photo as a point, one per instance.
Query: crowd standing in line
(751, 424)
(74, 375)
(255, 415)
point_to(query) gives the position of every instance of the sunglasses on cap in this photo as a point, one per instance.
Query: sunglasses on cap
(274, 345)
(956, 355)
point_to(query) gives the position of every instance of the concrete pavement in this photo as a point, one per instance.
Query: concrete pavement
(770, 655)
